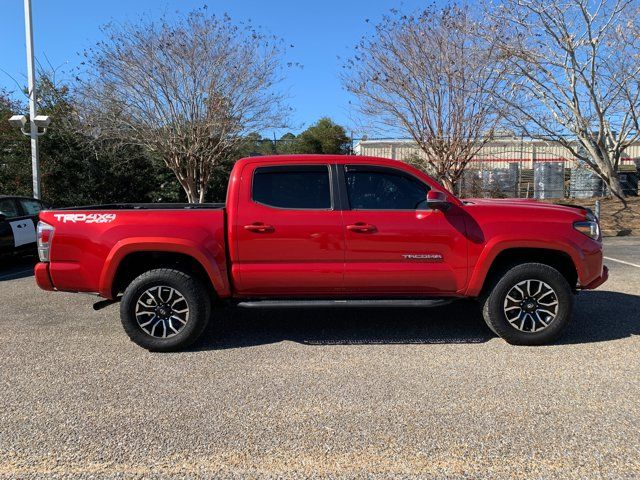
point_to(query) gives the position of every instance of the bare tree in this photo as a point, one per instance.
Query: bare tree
(430, 76)
(187, 91)
(573, 77)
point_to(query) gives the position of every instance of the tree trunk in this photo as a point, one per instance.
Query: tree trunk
(191, 196)
(190, 190)
(611, 179)
(447, 183)
(615, 187)
(603, 164)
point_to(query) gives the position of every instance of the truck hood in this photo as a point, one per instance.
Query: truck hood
(528, 204)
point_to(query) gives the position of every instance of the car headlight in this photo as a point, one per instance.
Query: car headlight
(589, 227)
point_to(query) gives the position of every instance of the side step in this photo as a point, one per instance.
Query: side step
(409, 302)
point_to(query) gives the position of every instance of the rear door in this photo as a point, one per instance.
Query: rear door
(18, 231)
(9, 209)
(30, 210)
(289, 233)
(394, 243)
(24, 227)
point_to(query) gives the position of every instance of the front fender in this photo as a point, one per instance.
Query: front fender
(216, 269)
(499, 244)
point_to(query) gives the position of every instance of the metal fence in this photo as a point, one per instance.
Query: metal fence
(517, 167)
(542, 180)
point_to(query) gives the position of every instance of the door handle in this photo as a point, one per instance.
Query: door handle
(259, 228)
(362, 227)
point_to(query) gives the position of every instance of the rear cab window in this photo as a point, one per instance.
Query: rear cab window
(293, 187)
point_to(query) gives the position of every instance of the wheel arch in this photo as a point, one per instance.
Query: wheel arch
(507, 257)
(131, 258)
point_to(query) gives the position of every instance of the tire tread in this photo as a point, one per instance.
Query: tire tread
(190, 287)
(491, 303)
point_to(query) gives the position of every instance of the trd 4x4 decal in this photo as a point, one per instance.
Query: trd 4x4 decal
(85, 217)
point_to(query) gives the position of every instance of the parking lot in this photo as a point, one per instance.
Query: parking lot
(341, 393)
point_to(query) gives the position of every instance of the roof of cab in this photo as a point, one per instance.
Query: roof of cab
(315, 158)
(18, 197)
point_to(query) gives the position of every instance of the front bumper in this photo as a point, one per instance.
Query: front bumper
(599, 280)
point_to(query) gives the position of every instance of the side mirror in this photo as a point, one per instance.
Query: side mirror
(437, 200)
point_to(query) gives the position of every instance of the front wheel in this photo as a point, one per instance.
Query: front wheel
(165, 310)
(530, 305)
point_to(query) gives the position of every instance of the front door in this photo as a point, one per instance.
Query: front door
(395, 244)
(290, 239)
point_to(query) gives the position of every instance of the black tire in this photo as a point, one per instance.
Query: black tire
(198, 305)
(493, 305)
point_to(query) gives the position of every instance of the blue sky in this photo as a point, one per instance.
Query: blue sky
(320, 31)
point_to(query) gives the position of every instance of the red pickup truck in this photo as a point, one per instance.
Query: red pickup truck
(325, 230)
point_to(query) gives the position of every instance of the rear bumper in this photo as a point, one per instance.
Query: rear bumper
(599, 280)
(43, 279)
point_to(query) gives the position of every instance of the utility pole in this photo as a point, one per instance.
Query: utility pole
(31, 75)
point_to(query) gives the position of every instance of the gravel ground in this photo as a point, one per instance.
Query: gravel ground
(390, 393)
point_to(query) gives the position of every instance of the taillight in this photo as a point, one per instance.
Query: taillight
(45, 235)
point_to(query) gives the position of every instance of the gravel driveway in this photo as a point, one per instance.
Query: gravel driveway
(343, 393)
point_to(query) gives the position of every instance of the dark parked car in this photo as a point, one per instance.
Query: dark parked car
(18, 222)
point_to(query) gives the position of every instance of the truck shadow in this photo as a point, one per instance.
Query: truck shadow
(14, 268)
(601, 316)
(598, 316)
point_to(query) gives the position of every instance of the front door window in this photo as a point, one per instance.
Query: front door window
(384, 189)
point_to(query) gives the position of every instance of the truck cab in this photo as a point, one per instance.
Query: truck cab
(313, 227)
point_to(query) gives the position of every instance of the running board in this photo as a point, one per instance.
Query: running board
(436, 302)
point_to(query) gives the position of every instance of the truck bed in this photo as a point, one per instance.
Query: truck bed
(91, 243)
(149, 206)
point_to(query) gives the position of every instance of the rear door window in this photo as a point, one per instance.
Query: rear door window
(8, 207)
(31, 207)
(293, 187)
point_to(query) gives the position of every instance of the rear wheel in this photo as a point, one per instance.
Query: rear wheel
(165, 310)
(530, 304)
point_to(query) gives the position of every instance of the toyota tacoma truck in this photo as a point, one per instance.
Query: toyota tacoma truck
(317, 230)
